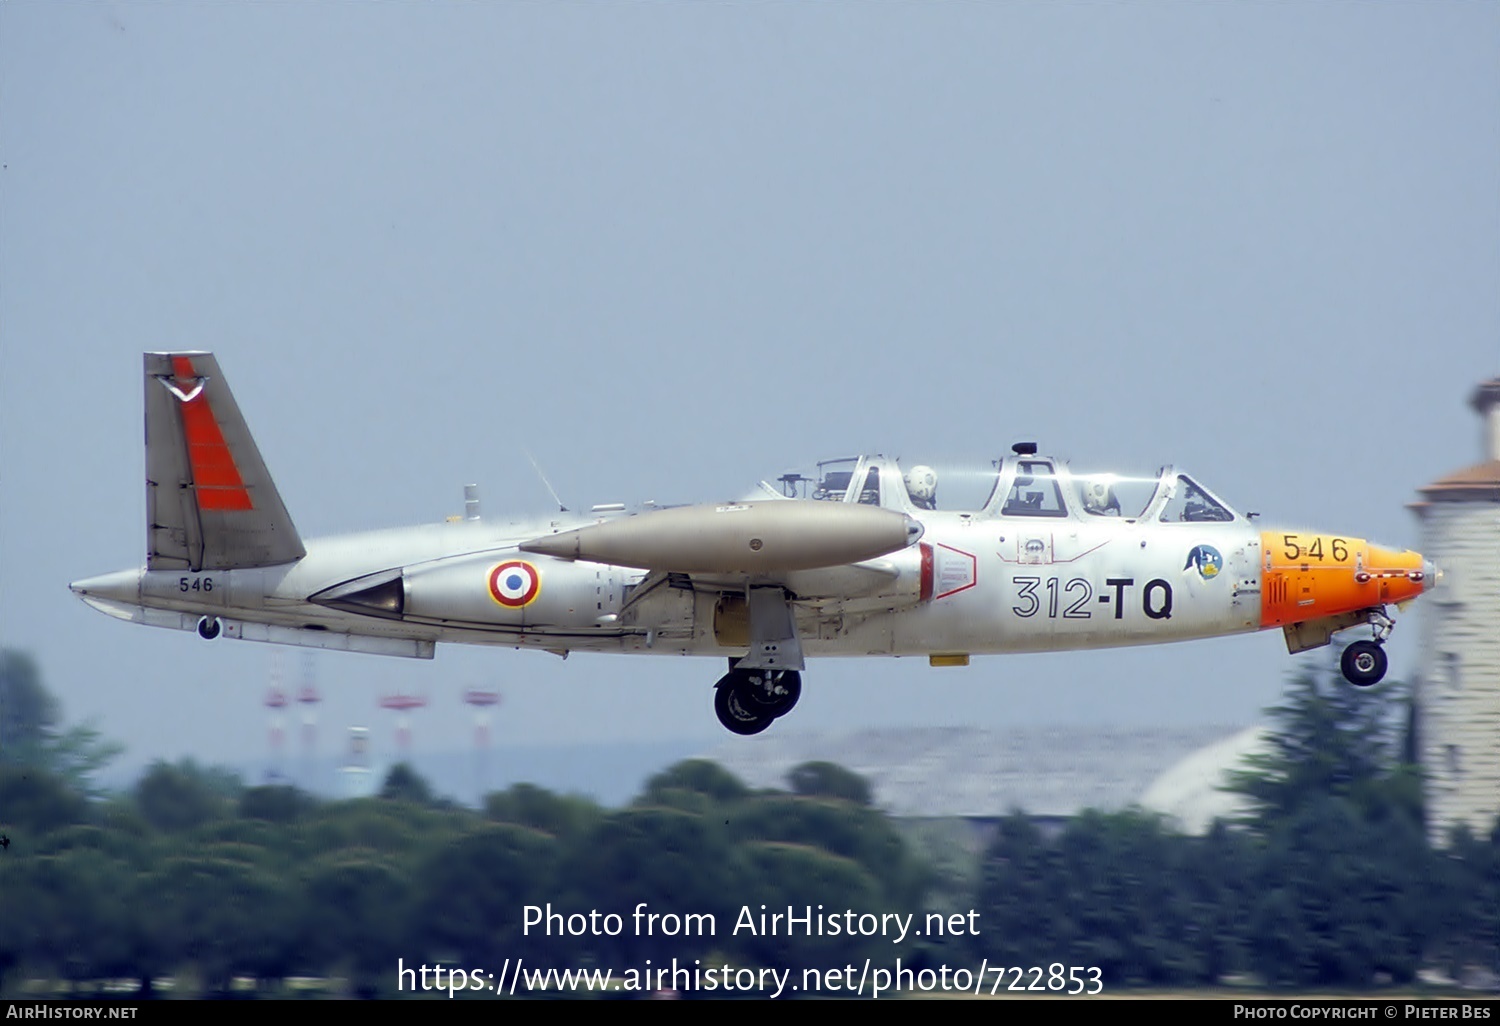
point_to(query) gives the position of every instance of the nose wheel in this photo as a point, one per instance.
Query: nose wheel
(1363, 663)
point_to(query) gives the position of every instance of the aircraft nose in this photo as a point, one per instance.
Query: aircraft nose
(1432, 575)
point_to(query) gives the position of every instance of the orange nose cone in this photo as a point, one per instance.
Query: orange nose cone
(1310, 576)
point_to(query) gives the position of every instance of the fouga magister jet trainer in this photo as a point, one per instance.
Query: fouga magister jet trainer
(856, 560)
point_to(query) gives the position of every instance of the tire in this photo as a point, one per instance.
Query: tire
(738, 716)
(208, 628)
(1364, 663)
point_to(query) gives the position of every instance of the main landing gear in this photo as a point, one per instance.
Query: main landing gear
(748, 700)
(1364, 662)
(765, 682)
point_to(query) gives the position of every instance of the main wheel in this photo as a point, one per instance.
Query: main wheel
(1363, 663)
(735, 712)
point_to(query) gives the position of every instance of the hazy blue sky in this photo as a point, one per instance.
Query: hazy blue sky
(671, 248)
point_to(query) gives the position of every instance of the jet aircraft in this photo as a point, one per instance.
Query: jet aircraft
(858, 559)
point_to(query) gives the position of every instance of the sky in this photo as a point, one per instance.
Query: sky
(669, 249)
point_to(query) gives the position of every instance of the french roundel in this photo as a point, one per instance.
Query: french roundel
(515, 584)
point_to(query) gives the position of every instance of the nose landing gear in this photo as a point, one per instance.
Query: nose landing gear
(1364, 662)
(208, 628)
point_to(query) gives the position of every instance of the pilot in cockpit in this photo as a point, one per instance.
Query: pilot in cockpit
(1099, 496)
(921, 486)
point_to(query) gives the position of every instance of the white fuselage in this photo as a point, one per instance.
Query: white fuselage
(992, 584)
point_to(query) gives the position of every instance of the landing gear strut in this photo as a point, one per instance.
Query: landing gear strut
(765, 682)
(746, 701)
(1364, 662)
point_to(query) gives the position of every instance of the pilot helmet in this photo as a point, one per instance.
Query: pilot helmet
(921, 484)
(1099, 494)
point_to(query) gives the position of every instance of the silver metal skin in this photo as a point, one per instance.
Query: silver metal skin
(749, 538)
(865, 564)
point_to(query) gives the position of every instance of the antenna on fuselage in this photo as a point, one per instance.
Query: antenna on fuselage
(561, 508)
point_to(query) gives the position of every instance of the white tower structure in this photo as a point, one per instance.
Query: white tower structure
(1458, 691)
(356, 780)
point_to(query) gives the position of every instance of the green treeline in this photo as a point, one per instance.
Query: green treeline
(192, 877)
(1328, 881)
(185, 876)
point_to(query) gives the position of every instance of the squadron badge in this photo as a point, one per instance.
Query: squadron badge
(1206, 560)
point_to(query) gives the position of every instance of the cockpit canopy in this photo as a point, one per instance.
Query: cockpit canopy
(1022, 485)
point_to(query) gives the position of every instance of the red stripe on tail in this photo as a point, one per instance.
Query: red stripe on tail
(216, 478)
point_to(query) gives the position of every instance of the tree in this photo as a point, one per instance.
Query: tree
(35, 801)
(829, 780)
(699, 776)
(855, 832)
(28, 711)
(405, 784)
(184, 795)
(527, 805)
(276, 803)
(79, 752)
(471, 895)
(1345, 887)
(29, 735)
(1219, 881)
(396, 829)
(70, 914)
(354, 917)
(1116, 890)
(1340, 898)
(780, 876)
(220, 917)
(668, 859)
(1332, 740)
